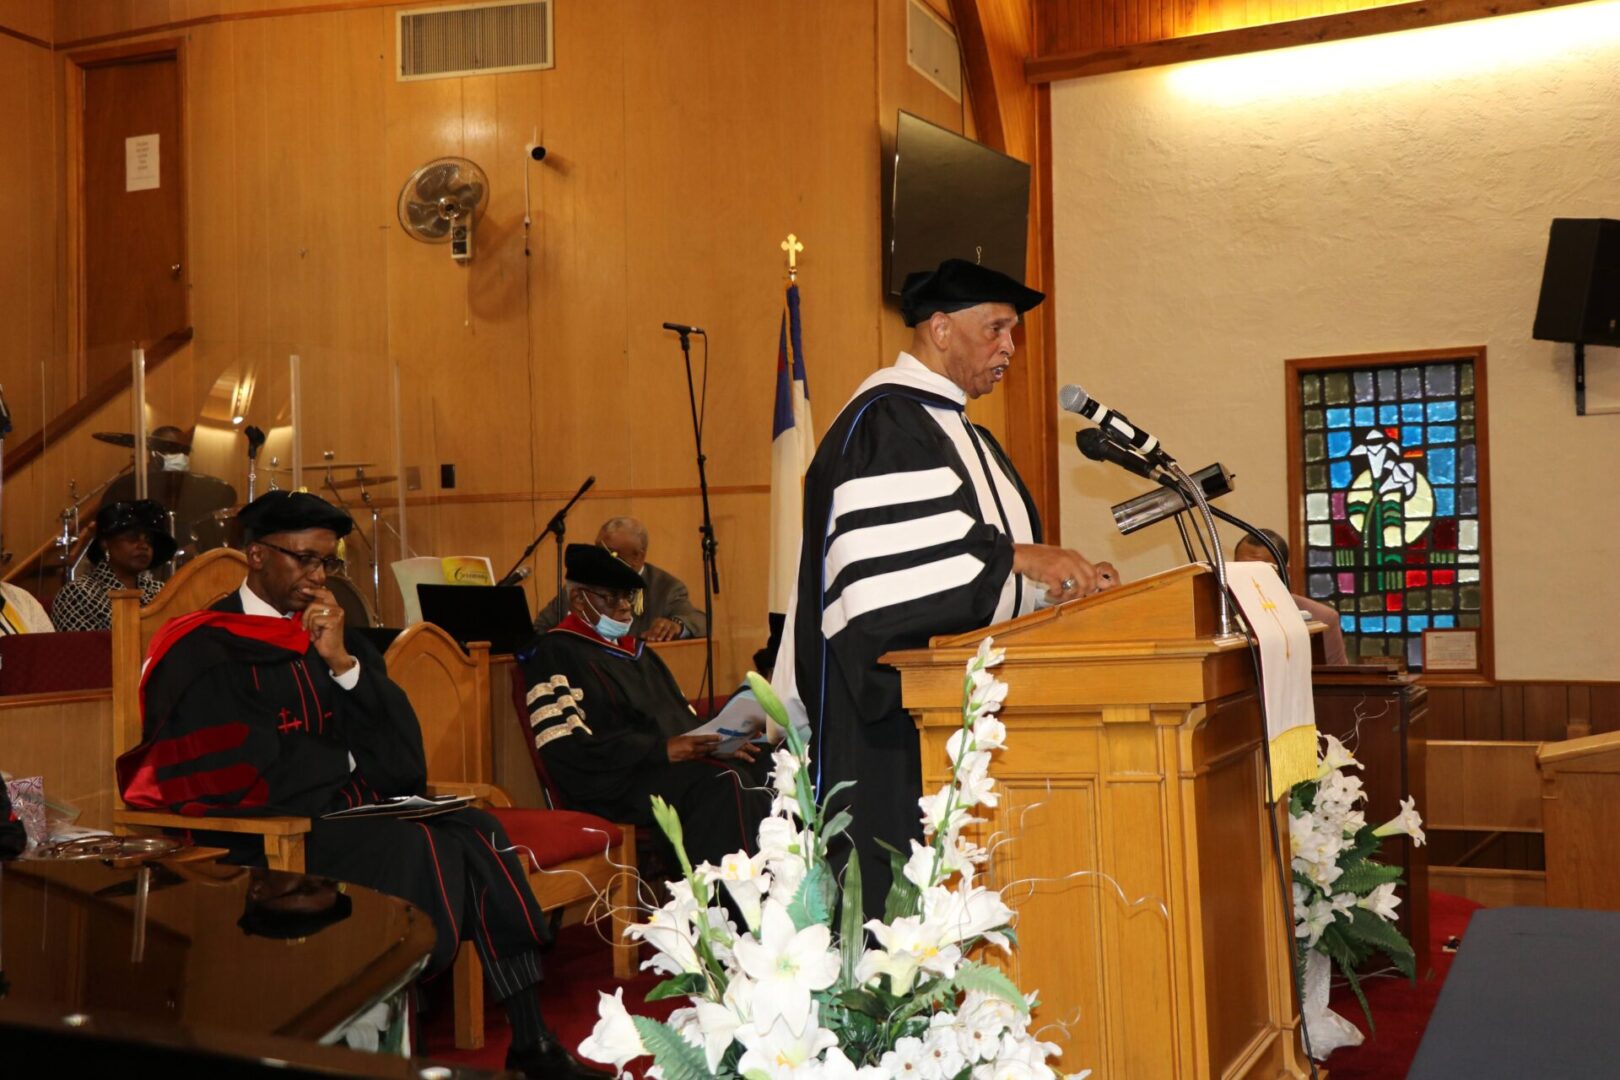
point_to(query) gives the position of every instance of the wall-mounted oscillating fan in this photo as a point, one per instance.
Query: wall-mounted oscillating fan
(442, 201)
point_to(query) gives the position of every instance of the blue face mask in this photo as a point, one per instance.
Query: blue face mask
(612, 629)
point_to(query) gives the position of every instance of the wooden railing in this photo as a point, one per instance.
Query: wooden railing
(58, 426)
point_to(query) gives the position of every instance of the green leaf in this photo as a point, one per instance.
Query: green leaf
(836, 789)
(989, 980)
(851, 933)
(837, 825)
(1368, 929)
(904, 899)
(812, 904)
(864, 1002)
(1362, 878)
(688, 982)
(679, 1059)
(1355, 984)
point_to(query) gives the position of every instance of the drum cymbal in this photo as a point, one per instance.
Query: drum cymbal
(322, 466)
(127, 441)
(361, 481)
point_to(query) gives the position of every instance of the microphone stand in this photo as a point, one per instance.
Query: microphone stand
(559, 525)
(711, 570)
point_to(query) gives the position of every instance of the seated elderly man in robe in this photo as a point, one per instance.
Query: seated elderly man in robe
(610, 727)
(664, 611)
(268, 704)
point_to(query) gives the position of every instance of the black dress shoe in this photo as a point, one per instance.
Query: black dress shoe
(550, 1061)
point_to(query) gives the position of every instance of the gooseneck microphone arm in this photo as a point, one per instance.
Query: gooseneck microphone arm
(559, 525)
(711, 568)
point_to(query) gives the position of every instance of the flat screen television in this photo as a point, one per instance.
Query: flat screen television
(954, 198)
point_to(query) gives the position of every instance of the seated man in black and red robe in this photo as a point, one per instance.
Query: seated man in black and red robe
(266, 704)
(609, 725)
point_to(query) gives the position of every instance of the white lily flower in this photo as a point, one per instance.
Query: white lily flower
(987, 656)
(673, 940)
(966, 913)
(1382, 901)
(1408, 821)
(776, 1052)
(787, 965)
(1335, 756)
(943, 1047)
(906, 946)
(923, 866)
(909, 1060)
(718, 1025)
(614, 1040)
(1318, 917)
(988, 698)
(974, 781)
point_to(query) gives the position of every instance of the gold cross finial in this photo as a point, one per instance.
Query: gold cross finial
(792, 246)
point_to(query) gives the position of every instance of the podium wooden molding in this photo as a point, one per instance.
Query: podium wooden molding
(1132, 832)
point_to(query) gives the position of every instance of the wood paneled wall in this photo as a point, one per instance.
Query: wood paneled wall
(686, 140)
(34, 324)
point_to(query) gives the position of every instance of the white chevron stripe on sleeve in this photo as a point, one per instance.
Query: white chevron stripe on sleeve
(876, 541)
(897, 587)
(892, 489)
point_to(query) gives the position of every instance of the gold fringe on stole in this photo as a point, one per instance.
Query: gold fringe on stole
(1293, 758)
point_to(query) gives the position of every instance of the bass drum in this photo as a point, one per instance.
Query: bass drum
(356, 611)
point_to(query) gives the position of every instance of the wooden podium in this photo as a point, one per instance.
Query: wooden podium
(1134, 764)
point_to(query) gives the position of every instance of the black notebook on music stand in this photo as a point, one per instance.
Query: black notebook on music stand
(498, 614)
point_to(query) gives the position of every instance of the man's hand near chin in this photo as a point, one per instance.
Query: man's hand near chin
(323, 618)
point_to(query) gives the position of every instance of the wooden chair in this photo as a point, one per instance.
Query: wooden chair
(202, 581)
(576, 857)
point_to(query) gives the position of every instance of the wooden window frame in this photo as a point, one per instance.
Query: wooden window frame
(1486, 676)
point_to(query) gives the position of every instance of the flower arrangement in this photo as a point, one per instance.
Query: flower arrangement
(1344, 902)
(797, 992)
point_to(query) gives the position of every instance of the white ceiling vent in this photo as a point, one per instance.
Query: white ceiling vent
(474, 39)
(931, 49)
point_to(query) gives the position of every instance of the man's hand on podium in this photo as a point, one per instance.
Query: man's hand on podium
(1066, 574)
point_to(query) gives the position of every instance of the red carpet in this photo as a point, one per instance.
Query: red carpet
(580, 966)
(1400, 1007)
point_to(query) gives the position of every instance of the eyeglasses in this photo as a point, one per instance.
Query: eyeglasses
(308, 560)
(613, 600)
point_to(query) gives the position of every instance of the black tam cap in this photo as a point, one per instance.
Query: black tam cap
(958, 284)
(142, 515)
(596, 566)
(291, 511)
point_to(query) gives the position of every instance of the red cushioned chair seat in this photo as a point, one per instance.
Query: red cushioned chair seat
(558, 836)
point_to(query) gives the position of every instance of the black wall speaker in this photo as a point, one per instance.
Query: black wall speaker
(1580, 287)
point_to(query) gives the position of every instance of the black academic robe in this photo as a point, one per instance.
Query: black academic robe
(242, 717)
(903, 540)
(600, 714)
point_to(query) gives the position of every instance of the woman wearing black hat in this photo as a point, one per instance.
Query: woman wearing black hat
(131, 537)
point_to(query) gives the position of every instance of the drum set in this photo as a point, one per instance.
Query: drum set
(203, 512)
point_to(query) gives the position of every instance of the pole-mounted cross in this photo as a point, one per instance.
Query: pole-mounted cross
(792, 246)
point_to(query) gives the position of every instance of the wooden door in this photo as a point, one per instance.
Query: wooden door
(133, 209)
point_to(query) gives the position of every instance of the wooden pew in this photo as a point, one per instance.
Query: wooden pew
(1580, 794)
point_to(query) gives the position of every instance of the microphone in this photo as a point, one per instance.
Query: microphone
(1155, 506)
(683, 330)
(1114, 424)
(515, 576)
(1094, 443)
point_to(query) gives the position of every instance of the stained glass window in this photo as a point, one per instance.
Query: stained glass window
(1390, 470)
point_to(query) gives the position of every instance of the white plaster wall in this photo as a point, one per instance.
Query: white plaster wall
(1214, 220)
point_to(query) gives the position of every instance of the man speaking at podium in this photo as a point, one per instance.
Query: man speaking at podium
(915, 524)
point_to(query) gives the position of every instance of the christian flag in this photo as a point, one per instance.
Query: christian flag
(793, 444)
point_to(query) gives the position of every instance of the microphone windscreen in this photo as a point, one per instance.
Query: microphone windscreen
(1090, 441)
(1072, 399)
